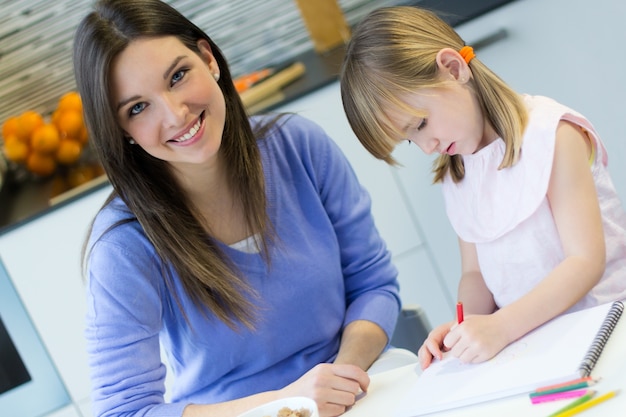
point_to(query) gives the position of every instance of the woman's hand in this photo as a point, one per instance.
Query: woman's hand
(334, 387)
(433, 346)
(477, 339)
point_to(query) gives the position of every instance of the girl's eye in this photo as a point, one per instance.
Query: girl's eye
(421, 125)
(136, 109)
(178, 75)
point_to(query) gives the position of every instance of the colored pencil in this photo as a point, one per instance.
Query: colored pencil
(573, 404)
(559, 396)
(562, 384)
(587, 404)
(563, 388)
(459, 312)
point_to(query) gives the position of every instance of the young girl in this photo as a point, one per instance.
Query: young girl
(525, 180)
(244, 249)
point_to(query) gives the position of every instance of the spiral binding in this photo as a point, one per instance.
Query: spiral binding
(599, 341)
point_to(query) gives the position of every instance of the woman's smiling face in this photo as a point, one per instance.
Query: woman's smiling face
(167, 99)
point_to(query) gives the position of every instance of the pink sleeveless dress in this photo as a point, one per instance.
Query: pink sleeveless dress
(506, 213)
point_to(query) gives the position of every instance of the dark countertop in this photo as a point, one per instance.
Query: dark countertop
(20, 204)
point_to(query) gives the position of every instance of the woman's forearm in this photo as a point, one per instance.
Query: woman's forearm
(361, 344)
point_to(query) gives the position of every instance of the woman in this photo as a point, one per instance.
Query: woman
(244, 249)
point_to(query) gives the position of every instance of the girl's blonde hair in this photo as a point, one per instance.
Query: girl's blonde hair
(393, 53)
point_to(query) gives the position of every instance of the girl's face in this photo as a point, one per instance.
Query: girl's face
(167, 99)
(453, 122)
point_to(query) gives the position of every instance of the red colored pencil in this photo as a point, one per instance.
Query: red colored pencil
(459, 312)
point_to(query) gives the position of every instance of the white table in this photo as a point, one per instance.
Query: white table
(387, 390)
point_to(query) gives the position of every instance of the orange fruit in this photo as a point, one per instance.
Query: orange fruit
(41, 164)
(54, 117)
(69, 151)
(10, 126)
(70, 123)
(15, 149)
(45, 139)
(70, 101)
(27, 123)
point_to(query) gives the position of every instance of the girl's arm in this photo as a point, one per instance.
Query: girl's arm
(473, 292)
(476, 298)
(574, 203)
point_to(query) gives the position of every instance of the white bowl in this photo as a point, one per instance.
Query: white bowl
(271, 409)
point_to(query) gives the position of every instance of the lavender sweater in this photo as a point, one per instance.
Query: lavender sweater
(329, 268)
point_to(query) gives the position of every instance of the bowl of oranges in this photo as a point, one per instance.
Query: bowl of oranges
(52, 146)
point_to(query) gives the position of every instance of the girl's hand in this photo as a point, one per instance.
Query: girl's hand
(433, 346)
(477, 339)
(334, 387)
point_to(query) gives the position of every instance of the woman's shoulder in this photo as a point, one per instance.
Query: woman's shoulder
(289, 125)
(117, 225)
(117, 242)
(293, 132)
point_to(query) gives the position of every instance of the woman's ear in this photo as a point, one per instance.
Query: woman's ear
(451, 64)
(207, 55)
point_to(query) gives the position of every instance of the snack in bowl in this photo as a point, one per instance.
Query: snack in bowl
(286, 407)
(288, 412)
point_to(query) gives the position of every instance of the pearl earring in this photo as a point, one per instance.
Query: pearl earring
(216, 76)
(131, 141)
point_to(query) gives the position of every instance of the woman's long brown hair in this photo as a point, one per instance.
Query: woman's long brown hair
(146, 184)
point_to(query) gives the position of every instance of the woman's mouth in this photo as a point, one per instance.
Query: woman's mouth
(191, 132)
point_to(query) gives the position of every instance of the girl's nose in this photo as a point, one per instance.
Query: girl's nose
(430, 146)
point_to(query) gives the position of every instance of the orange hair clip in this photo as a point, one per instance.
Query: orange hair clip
(467, 52)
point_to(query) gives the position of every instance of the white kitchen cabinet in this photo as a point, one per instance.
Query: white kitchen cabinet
(42, 259)
(69, 411)
(84, 406)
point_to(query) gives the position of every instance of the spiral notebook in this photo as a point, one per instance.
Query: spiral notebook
(563, 349)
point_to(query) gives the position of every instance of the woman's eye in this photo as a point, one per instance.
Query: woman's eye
(136, 109)
(421, 125)
(178, 75)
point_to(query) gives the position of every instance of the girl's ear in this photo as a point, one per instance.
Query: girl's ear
(451, 64)
(207, 55)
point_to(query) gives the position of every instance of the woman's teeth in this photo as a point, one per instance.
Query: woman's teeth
(194, 129)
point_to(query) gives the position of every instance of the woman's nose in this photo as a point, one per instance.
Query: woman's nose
(174, 111)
